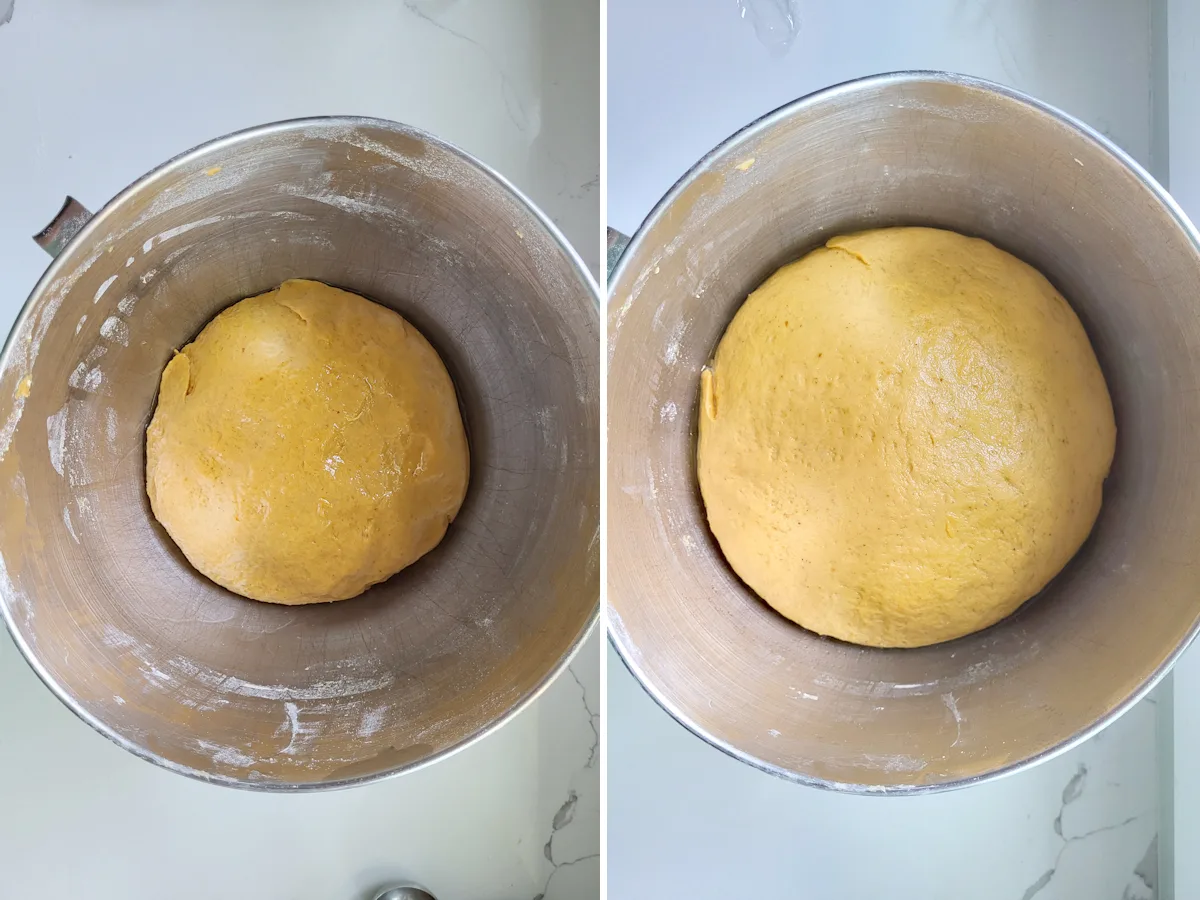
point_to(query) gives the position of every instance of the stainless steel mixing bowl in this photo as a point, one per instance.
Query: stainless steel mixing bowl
(934, 149)
(184, 673)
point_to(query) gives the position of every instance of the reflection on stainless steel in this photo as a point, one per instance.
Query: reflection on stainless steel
(918, 148)
(204, 682)
(405, 893)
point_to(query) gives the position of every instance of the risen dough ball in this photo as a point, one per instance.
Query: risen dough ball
(305, 446)
(903, 437)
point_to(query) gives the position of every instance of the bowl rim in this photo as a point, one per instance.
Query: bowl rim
(618, 636)
(86, 233)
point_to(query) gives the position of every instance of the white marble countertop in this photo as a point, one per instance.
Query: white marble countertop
(684, 820)
(92, 95)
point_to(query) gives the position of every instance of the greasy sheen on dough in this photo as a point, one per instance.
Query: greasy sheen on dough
(307, 445)
(903, 437)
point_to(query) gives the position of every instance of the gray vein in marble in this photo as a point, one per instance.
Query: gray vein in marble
(563, 865)
(1146, 872)
(566, 813)
(1038, 885)
(1071, 792)
(1147, 869)
(427, 10)
(593, 718)
(564, 817)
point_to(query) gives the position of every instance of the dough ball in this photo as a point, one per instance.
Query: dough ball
(307, 445)
(903, 437)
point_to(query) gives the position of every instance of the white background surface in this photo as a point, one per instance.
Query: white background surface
(1181, 740)
(685, 74)
(92, 95)
(684, 820)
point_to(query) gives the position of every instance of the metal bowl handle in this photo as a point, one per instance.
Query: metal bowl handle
(617, 243)
(65, 225)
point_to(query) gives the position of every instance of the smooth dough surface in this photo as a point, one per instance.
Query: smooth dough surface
(903, 436)
(307, 445)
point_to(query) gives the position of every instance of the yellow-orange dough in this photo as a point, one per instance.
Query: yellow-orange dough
(306, 445)
(903, 437)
